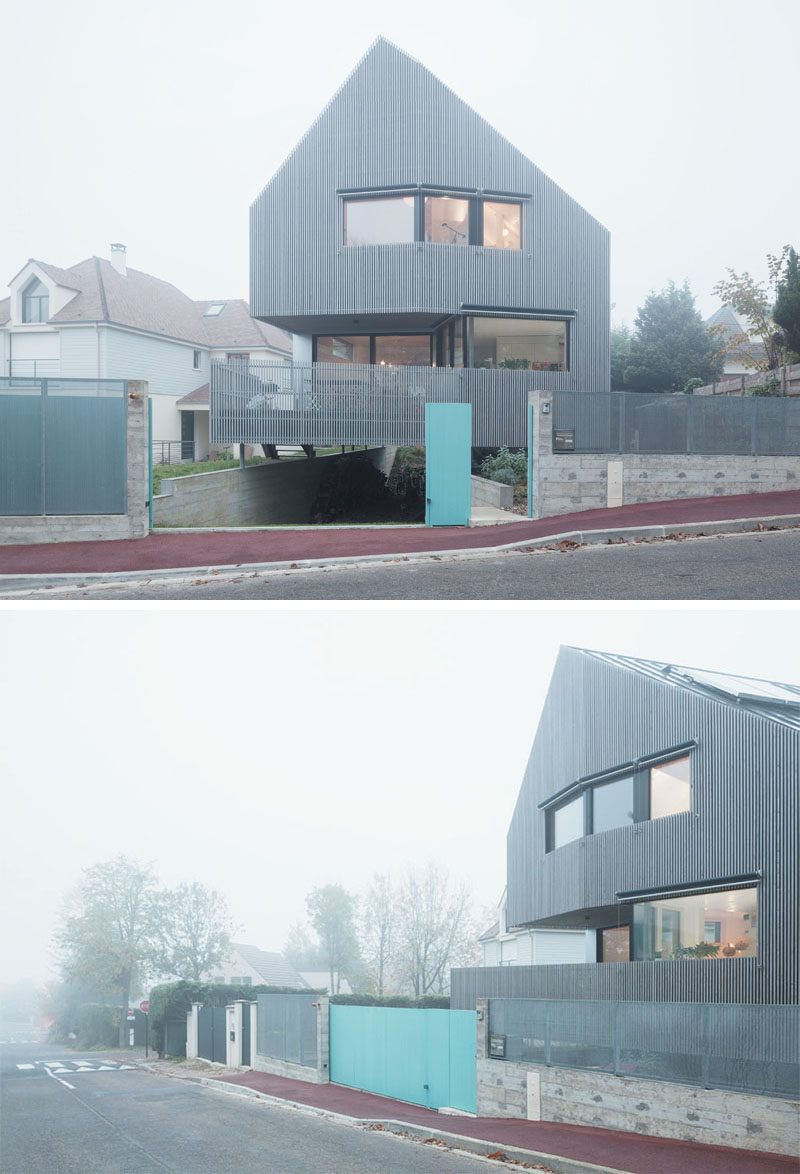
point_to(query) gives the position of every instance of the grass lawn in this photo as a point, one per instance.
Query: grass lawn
(186, 468)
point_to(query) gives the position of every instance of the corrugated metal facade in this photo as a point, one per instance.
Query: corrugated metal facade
(394, 123)
(744, 819)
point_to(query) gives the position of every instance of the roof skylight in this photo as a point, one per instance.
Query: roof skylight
(214, 309)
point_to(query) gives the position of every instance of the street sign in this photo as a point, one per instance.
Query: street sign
(131, 1013)
(144, 1005)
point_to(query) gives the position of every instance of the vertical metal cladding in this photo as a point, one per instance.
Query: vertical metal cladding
(394, 123)
(744, 819)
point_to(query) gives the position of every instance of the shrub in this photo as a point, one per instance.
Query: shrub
(771, 386)
(504, 476)
(437, 1002)
(173, 1000)
(515, 463)
(691, 385)
(97, 1026)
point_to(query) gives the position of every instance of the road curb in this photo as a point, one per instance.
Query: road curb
(22, 582)
(473, 1145)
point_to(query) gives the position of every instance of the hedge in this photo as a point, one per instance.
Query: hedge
(173, 1000)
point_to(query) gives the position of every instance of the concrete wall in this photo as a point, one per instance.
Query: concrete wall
(566, 483)
(29, 528)
(492, 493)
(274, 493)
(657, 1108)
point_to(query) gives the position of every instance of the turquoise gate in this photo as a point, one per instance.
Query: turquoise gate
(448, 470)
(426, 1057)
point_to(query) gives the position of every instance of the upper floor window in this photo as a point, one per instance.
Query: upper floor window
(35, 302)
(237, 356)
(196, 360)
(379, 221)
(650, 790)
(446, 220)
(502, 224)
(435, 217)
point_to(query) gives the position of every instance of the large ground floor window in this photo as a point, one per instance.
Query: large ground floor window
(465, 340)
(703, 925)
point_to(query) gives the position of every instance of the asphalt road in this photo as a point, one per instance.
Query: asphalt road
(119, 1120)
(733, 566)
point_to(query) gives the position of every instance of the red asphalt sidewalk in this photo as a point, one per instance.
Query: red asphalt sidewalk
(632, 1152)
(166, 550)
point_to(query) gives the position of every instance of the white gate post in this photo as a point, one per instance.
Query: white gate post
(191, 1031)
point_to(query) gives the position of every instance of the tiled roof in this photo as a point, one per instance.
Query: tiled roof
(273, 968)
(233, 327)
(198, 396)
(148, 303)
(490, 933)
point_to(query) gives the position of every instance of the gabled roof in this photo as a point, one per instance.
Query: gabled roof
(731, 327)
(200, 395)
(144, 302)
(273, 968)
(771, 699)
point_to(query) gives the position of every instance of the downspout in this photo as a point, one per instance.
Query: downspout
(97, 348)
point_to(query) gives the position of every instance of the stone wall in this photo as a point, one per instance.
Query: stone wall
(275, 493)
(654, 1107)
(566, 483)
(29, 528)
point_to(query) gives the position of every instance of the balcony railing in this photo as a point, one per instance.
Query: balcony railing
(327, 404)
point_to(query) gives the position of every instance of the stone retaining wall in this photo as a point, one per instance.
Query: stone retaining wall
(566, 483)
(275, 493)
(654, 1107)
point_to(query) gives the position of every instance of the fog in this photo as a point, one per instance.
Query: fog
(157, 124)
(264, 752)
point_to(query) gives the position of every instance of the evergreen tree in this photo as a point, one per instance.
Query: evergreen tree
(670, 345)
(787, 305)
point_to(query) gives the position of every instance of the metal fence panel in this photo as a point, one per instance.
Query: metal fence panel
(287, 1028)
(636, 422)
(748, 1048)
(63, 446)
(331, 404)
(21, 489)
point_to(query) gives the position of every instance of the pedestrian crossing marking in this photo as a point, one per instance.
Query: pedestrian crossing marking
(25, 1065)
(75, 1067)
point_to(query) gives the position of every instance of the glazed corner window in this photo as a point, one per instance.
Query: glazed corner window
(567, 822)
(502, 225)
(196, 360)
(704, 925)
(379, 221)
(446, 220)
(670, 788)
(35, 302)
(520, 344)
(612, 804)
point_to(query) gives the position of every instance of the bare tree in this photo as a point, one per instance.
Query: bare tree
(434, 929)
(379, 915)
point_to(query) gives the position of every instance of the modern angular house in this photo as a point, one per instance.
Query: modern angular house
(659, 809)
(403, 230)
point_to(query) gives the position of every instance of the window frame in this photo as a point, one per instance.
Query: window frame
(475, 215)
(639, 772)
(41, 300)
(431, 336)
(196, 360)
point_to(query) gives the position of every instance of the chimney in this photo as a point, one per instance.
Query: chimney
(118, 259)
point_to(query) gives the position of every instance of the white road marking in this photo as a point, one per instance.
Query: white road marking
(26, 1065)
(58, 1078)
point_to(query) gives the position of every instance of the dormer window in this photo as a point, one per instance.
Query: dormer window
(35, 302)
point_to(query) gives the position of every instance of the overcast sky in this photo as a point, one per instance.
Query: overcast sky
(263, 752)
(156, 124)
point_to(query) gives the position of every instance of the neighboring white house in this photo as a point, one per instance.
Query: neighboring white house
(249, 966)
(101, 320)
(534, 947)
(321, 980)
(731, 326)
